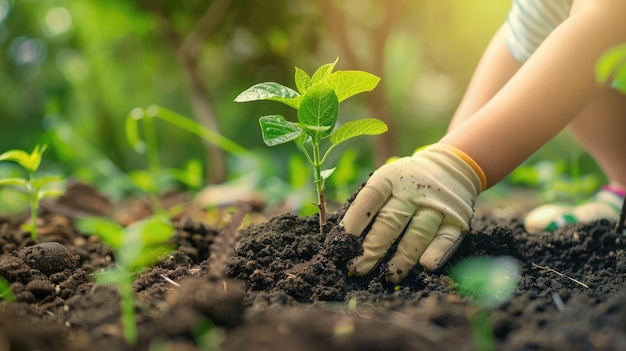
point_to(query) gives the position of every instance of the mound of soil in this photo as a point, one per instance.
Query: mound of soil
(281, 285)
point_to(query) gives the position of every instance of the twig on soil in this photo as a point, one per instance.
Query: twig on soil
(170, 280)
(546, 268)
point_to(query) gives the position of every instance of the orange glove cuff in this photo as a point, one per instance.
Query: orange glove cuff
(470, 161)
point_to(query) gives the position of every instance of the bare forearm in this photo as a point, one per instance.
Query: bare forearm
(555, 84)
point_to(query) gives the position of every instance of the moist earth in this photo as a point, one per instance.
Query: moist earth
(281, 285)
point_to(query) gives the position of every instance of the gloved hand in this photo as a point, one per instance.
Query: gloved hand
(429, 197)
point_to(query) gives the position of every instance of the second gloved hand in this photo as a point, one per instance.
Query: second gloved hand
(427, 198)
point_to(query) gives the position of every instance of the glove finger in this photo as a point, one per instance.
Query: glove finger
(387, 227)
(366, 204)
(442, 247)
(416, 238)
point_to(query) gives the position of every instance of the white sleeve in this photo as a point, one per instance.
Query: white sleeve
(529, 22)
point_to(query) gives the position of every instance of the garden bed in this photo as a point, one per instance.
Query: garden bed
(284, 287)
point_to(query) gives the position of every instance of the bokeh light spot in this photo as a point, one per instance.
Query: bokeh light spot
(25, 50)
(72, 64)
(58, 21)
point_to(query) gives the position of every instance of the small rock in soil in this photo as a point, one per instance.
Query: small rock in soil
(48, 258)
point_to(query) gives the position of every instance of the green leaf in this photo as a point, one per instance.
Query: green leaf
(303, 81)
(112, 277)
(323, 72)
(14, 181)
(109, 232)
(154, 230)
(609, 63)
(29, 161)
(48, 193)
(318, 111)
(350, 83)
(270, 91)
(619, 79)
(277, 130)
(327, 173)
(6, 293)
(41, 181)
(488, 281)
(367, 126)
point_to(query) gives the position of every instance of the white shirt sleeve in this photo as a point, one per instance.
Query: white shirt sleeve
(529, 22)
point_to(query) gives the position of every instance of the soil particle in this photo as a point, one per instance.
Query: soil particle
(48, 257)
(219, 301)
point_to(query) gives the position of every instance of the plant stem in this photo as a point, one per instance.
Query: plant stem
(128, 310)
(319, 184)
(152, 147)
(482, 329)
(34, 205)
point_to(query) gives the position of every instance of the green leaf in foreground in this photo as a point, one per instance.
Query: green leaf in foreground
(303, 81)
(318, 111)
(350, 83)
(270, 91)
(488, 281)
(277, 130)
(367, 126)
(613, 64)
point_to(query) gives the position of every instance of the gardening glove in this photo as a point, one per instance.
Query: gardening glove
(605, 204)
(429, 197)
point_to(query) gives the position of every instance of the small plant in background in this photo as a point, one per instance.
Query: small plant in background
(5, 291)
(317, 103)
(34, 186)
(487, 282)
(136, 247)
(152, 179)
(612, 66)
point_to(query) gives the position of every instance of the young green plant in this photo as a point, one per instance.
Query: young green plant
(317, 102)
(154, 177)
(487, 282)
(136, 247)
(33, 185)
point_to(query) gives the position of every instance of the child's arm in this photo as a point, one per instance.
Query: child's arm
(556, 83)
(427, 196)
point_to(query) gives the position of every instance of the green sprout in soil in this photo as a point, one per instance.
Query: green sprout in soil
(136, 247)
(317, 103)
(140, 122)
(5, 291)
(33, 185)
(487, 282)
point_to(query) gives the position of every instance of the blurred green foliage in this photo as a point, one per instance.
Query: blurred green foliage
(71, 71)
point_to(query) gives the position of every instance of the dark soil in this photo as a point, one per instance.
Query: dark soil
(284, 287)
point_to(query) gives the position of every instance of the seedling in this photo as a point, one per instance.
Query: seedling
(488, 282)
(5, 291)
(317, 103)
(136, 247)
(140, 122)
(32, 184)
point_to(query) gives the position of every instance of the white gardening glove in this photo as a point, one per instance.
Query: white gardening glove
(430, 194)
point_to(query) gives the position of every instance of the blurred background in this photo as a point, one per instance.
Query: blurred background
(72, 71)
